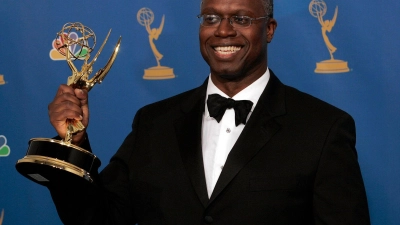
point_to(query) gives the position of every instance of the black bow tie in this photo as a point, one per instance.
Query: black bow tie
(217, 105)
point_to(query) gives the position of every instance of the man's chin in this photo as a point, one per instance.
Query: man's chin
(230, 76)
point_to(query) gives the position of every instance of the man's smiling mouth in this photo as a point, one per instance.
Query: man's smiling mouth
(225, 50)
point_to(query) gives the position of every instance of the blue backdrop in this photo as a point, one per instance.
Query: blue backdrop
(365, 35)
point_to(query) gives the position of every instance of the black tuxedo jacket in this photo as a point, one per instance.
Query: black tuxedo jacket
(294, 163)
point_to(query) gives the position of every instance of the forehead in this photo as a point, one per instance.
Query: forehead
(233, 6)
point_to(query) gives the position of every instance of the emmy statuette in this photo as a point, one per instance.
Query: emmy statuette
(318, 9)
(49, 160)
(145, 18)
(2, 81)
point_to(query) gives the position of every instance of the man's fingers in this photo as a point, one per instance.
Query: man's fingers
(82, 95)
(65, 110)
(69, 103)
(66, 104)
(63, 88)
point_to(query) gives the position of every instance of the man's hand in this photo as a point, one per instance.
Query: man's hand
(69, 103)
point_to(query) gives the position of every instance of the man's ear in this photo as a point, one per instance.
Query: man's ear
(271, 27)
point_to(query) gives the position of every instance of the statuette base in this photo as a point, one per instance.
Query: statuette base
(48, 161)
(158, 73)
(332, 66)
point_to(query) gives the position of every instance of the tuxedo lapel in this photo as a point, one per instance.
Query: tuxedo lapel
(258, 131)
(188, 131)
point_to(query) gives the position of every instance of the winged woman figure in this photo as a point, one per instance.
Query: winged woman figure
(153, 35)
(327, 26)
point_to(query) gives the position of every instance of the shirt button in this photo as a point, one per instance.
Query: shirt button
(228, 130)
(208, 219)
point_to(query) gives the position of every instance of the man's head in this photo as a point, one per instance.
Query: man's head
(268, 6)
(233, 51)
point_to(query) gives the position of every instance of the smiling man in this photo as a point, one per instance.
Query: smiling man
(242, 148)
(233, 41)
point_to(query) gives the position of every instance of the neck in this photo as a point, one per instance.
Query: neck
(233, 86)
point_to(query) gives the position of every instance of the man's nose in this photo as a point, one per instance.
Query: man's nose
(225, 28)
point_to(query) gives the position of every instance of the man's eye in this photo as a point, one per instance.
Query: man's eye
(242, 20)
(211, 19)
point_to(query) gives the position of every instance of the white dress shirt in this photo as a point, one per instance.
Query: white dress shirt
(219, 138)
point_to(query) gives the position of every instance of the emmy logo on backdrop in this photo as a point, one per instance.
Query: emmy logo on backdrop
(49, 160)
(58, 51)
(1, 217)
(318, 9)
(145, 18)
(2, 81)
(4, 148)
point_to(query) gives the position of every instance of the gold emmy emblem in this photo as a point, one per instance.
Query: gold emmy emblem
(146, 17)
(2, 81)
(2, 216)
(318, 9)
(48, 160)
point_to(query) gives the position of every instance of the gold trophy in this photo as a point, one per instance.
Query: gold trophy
(2, 81)
(318, 9)
(146, 17)
(49, 160)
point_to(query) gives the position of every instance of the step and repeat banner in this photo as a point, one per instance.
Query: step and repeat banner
(344, 52)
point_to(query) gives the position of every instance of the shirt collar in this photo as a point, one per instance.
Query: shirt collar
(251, 92)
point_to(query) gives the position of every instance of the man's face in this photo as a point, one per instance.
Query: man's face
(231, 52)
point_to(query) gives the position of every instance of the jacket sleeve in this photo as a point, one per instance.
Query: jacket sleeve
(339, 194)
(106, 200)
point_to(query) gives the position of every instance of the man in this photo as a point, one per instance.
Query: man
(291, 160)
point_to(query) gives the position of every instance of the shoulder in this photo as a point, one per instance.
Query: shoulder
(302, 110)
(173, 101)
(300, 101)
(314, 113)
(295, 101)
(173, 106)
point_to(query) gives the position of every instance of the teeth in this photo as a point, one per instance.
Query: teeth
(227, 49)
